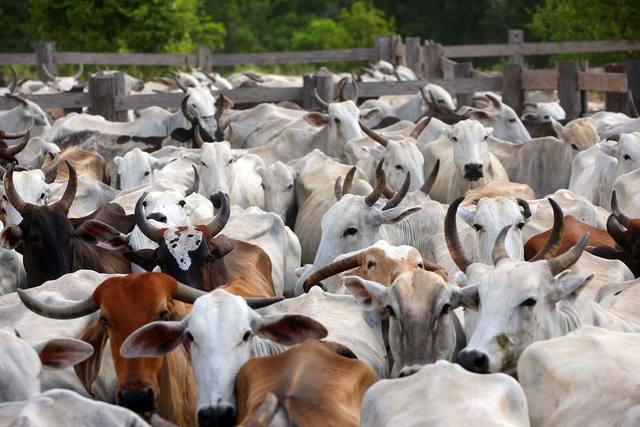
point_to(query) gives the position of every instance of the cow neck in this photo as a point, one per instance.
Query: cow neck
(410, 110)
(320, 140)
(177, 400)
(585, 311)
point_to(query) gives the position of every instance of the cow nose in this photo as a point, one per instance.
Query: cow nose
(220, 415)
(408, 371)
(473, 171)
(137, 400)
(158, 217)
(474, 361)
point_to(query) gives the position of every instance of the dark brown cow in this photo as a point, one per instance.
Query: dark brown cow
(316, 384)
(199, 257)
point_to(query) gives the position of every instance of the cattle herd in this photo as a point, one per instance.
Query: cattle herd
(402, 261)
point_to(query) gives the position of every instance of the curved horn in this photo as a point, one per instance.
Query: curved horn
(70, 192)
(417, 130)
(341, 189)
(633, 110)
(494, 101)
(16, 135)
(324, 104)
(562, 262)
(554, 241)
(381, 182)
(340, 88)
(14, 84)
(354, 95)
(330, 270)
(397, 198)
(451, 236)
(499, 249)
(624, 220)
(431, 179)
(374, 135)
(196, 183)
(185, 110)
(218, 223)
(258, 302)
(179, 83)
(210, 76)
(198, 141)
(47, 73)
(429, 101)
(337, 188)
(526, 209)
(18, 98)
(12, 195)
(71, 311)
(148, 229)
(51, 170)
(80, 71)
(187, 294)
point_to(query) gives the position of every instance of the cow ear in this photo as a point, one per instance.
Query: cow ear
(160, 163)
(558, 128)
(466, 214)
(480, 115)
(11, 237)
(374, 152)
(393, 215)
(101, 234)
(288, 329)
(466, 297)
(369, 294)
(372, 113)
(62, 353)
(567, 287)
(145, 258)
(88, 370)
(316, 119)
(192, 157)
(181, 134)
(608, 149)
(117, 160)
(154, 339)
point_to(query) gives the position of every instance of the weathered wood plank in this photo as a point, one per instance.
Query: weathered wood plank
(311, 56)
(448, 67)
(125, 58)
(51, 101)
(633, 80)
(454, 86)
(539, 79)
(462, 70)
(413, 54)
(18, 58)
(603, 82)
(579, 47)
(477, 50)
(568, 90)
(512, 93)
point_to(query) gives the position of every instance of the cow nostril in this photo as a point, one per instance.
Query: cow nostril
(137, 400)
(157, 216)
(474, 361)
(221, 415)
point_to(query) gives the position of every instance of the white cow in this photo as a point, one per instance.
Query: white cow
(465, 161)
(278, 181)
(34, 186)
(505, 122)
(444, 394)
(24, 115)
(137, 168)
(588, 377)
(626, 188)
(614, 124)
(544, 112)
(12, 272)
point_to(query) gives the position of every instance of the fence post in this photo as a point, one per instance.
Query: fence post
(103, 90)
(516, 38)
(46, 53)
(568, 90)
(613, 101)
(204, 58)
(431, 56)
(463, 69)
(320, 80)
(384, 49)
(633, 80)
(584, 95)
(412, 52)
(398, 51)
(512, 93)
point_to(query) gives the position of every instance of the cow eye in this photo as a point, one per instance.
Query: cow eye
(337, 120)
(203, 163)
(230, 161)
(546, 117)
(144, 204)
(182, 203)
(246, 336)
(455, 139)
(289, 187)
(574, 146)
(4, 197)
(445, 309)
(520, 225)
(147, 173)
(627, 157)
(350, 232)
(512, 120)
(529, 302)
(189, 336)
(399, 167)
(42, 196)
(262, 185)
(371, 264)
(389, 311)
(103, 321)
(478, 227)
(165, 315)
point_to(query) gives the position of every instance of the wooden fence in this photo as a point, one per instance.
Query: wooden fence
(429, 60)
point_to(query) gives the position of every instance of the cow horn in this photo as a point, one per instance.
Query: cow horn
(633, 111)
(384, 141)
(563, 262)
(258, 302)
(9, 152)
(340, 88)
(526, 209)
(71, 311)
(80, 71)
(196, 183)
(336, 267)
(47, 73)
(18, 98)
(337, 188)
(187, 294)
(397, 198)
(377, 192)
(179, 83)
(16, 135)
(218, 223)
(324, 104)
(499, 249)
(494, 101)
(342, 189)
(3, 171)
(51, 170)
(14, 83)
(451, 236)
(185, 110)
(620, 217)
(417, 130)
(429, 101)
(70, 192)
(354, 95)
(148, 229)
(12, 195)
(431, 179)
(210, 76)
(198, 141)
(554, 241)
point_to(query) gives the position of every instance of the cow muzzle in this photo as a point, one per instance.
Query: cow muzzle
(138, 400)
(223, 415)
(474, 361)
(473, 171)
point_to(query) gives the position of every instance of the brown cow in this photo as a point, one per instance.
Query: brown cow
(199, 258)
(317, 384)
(89, 164)
(498, 189)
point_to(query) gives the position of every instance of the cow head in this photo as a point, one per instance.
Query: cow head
(22, 363)
(186, 253)
(30, 111)
(136, 168)
(489, 217)
(505, 122)
(216, 162)
(580, 133)
(278, 183)
(63, 83)
(223, 332)
(203, 114)
(470, 152)
(626, 150)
